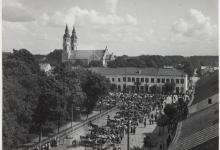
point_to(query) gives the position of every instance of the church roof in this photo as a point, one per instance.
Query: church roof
(87, 54)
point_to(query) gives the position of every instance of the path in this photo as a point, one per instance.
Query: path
(66, 145)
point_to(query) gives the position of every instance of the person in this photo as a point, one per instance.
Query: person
(114, 147)
(145, 123)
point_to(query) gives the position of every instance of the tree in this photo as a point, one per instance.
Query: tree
(54, 58)
(182, 108)
(113, 87)
(171, 112)
(188, 69)
(80, 63)
(169, 87)
(150, 141)
(20, 94)
(94, 87)
(155, 89)
(95, 63)
(162, 121)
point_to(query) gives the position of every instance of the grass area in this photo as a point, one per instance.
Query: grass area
(206, 87)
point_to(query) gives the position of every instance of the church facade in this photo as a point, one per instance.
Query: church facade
(71, 53)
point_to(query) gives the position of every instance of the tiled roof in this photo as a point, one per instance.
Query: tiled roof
(206, 87)
(138, 71)
(200, 127)
(87, 54)
(199, 120)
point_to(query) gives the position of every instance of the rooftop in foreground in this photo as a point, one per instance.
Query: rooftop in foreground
(201, 127)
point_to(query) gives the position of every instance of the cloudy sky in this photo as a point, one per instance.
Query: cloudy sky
(131, 27)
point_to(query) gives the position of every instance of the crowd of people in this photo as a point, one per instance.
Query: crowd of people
(134, 110)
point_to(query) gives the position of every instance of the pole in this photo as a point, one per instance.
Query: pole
(128, 139)
(71, 115)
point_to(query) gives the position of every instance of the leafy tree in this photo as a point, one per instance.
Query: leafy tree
(54, 58)
(95, 63)
(150, 141)
(171, 112)
(20, 95)
(162, 121)
(169, 87)
(154, 89)
(80, 63)
(94, 87)
(182, 108)
(188, 68)
(113, 87)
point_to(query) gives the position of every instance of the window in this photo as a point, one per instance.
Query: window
(129, 79)
(119, 87)
(137, 79)
(113, 80)
(177, 90)
(119, 80)
(142, 79)
(158, 80)
(163, 80)
(133, 79)
(146, 88)
(172, 80)
(168, 80)
(182, 81)
(124, 87)
(209, 101)
(152, 80)
(146, 80)
(177, 81)
(124, 79)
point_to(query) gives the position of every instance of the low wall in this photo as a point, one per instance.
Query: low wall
(63, 133)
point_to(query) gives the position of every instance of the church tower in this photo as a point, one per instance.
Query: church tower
(73, 40)
(66, 43)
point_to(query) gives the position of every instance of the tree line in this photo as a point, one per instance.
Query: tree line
(187, 64)
(35, 103)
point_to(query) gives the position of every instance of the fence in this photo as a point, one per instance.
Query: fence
(67, 131)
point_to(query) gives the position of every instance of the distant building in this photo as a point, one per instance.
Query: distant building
(142, 79)
(208, 69)
(46, 67)
(70, 52)
(168, 67)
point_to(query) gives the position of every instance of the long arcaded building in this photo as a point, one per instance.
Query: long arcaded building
(141, 79)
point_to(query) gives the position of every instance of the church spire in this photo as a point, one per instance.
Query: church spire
(73, 40)
(74, 31)
(67, 30)
(66, 34)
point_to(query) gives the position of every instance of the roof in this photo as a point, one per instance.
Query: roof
(87, 54)
(199, 128)
(138, 71)
(206, 87)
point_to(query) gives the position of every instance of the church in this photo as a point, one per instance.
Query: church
(71, 53)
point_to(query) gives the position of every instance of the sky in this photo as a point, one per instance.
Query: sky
(127, 27)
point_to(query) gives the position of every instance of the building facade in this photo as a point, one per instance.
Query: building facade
(71, 53)
(142, 79)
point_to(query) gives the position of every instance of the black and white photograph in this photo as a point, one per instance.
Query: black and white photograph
(110, 75)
